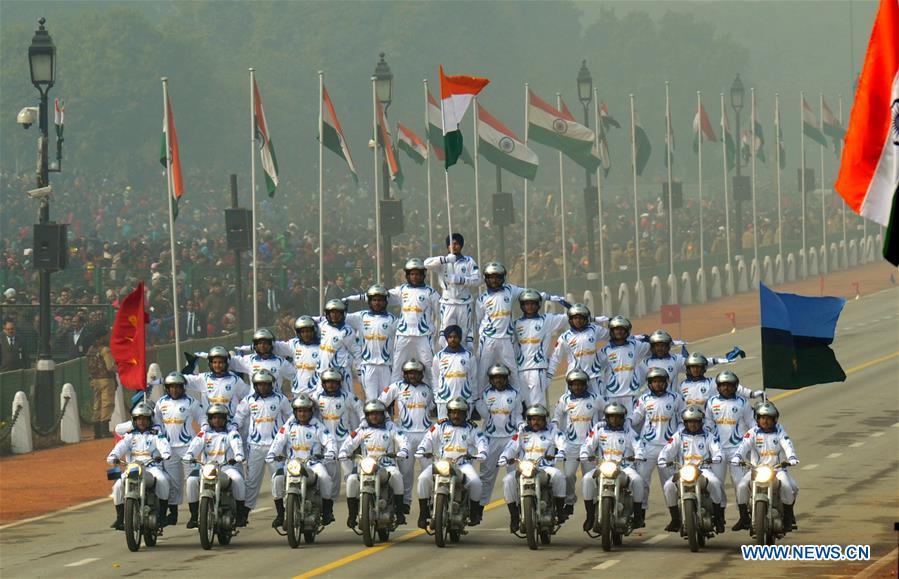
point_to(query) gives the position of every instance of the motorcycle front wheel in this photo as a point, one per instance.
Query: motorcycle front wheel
(132, 524)
(292, 521)
(529, 514)
(760, 524)
(690, 525)
(439, 524)
(607, 507)
(365, 521)
(207, 523)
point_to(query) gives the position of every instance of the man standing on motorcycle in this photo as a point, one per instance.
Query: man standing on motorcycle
(697, 388)
(181, 416)
(576, 412)
(218, 444)
(614, 441)
(730, 416)
(305, 351)
(657, 416)
(500, 407)
(542, 444)
(455, 372)
(767, 443)
(303, 438)
(532, 336)
(579, 344)
(660, 343)
(414, 400)
(263, 357)
(699, 447)
(383, 441)
(455, 438)
(340, 411)
(619, 358)
(376, 331)
(265, 411)
(149, 447)
(219, 385)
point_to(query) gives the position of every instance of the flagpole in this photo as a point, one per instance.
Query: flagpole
(753, 153)
(780, 235)
(428, 164)
(321, 191)
(802, 170)
(699, 168)
(824, 260)
(634, 167)
(449, 216)
(845, 242)
(602, 263)
(168, 182)
(668, 145)
(726, 200)
(527, 119)
(562, 209)
(374, 155)
(477, 189)
(253, 193)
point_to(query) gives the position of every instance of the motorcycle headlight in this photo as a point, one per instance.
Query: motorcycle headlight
(210, 471)
(608, 468)
(294, 467)
(527, 468)
(442, 467)
(368, 465)
(134, 469)
(764, 474)
(689, 473)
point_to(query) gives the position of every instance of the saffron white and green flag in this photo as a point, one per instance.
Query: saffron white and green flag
(332, 134)
(499, 145)
(264, 141)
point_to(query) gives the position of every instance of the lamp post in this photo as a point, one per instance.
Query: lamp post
(737, 92)
(585, 95)
(384, 94)
(42, 61)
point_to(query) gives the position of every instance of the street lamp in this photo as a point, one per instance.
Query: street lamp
(585, 95)
(740, 185)
(42, 62)
(383, 82)
(384, 93)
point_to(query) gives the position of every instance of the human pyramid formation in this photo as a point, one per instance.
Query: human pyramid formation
(437, 391)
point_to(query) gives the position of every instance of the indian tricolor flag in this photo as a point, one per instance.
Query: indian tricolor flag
(411, 144)
(264, 141)
(810, 125)
(832, 127)
(169, 155)
(549, 126)
(386, 142)
(59, 118)
(332, 134)
(869, 169)
(499, 145)
(456, 93)
(702, 129)
(730, 146)
(435, 132)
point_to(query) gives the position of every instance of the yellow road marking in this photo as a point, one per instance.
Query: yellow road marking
(862, 366)
(377, 549)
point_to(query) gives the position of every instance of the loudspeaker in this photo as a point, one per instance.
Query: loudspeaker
(677, 194)
(51, 247)
(742, 188)
(809, 180)
(591, 204)
(391, 217)
(503, 209)
(239, 228)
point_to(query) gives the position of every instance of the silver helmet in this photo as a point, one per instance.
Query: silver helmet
(657, 373)
(495, 268)
(303, 401)
(142, 409)
(457, 403)
(175, 378)
(660, 337)
(374, 406)
(727, 377)
(696, 359)
(304, 322)
(693, 412)
(263, 376)
(263, 334)
(335, 306)
(413, 365)
(218, 409)
(331, 375)
(613, 408)
(530, 295)
(375, 291)
(498, 370)
(767, 409)
(579, 310)
(577, 375)
(536, 410)
(218, 352)
(620, 322)
(414, 263)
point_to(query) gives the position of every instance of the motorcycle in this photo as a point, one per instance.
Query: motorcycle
(142, 518)
(538, 510)
(449, 503)
(376, 512)
(218, 509)
(695, 504)
(767, 510)
(614, 504)
(302, 502)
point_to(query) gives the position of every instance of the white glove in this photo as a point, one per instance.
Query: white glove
(450, 258)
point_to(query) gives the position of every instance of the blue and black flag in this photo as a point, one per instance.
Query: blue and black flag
(796, 335)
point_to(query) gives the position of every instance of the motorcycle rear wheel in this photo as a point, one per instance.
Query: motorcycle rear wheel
(292, 520)
(690, 525)
(207, 523)
(529, 514)
(365, 521)
(439, 524)
(760, 524)
(132, 524)
(607, 507)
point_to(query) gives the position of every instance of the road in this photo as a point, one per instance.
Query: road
(846, 437)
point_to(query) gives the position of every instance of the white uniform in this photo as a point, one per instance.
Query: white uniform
(216, 447)
(377, 333)
(181, 418)
(673, 364)
(621, 445)
(532, 340)
(771, 448)
(534, 445)
(227, 389)
(730, 418)
(264, 416)
(143, 447)
(697, 391)
(280, 368)
(456, 375)
(416, 327)
(445, 440)
(574, 416)
(578, 348)
(306, 360)
(457, 274)
(376, 442)
(656, 418)
(687, 448)
(619, 362)
(295, 440)
(340, 413)
(413, 403)
(501, 411)
(339, 348)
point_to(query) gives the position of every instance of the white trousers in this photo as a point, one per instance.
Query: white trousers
(788, 488)
(635, 483)
(556, 482)
(174, 466)
(714, 487)
(461, 315)
(162, 486)
(238, 487)
(651, 454)
(489, 468)
(394, 479)
(494, 351)
(279, 481)
(533, 385)
(472, 482)
(413, 347)
(721, 469)
(626, 401)
(375, 377)
(570, 467)
(256, 467)
(407, 465)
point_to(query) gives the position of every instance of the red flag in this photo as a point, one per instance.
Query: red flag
(128, 343)
(671, 314)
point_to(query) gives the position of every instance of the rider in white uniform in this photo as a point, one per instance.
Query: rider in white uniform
(532, 339)
(455, 372)
(458, 275)
(219, 385)
(264, 358)
(340, 411)
(419, 305)
(579, 345)
(305, 352)
(500, 408)
(376, 329)
(619, 358)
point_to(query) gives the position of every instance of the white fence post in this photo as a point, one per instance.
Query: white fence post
(20, 437)
(70, 425)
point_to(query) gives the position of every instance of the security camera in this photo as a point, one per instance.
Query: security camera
(41, 193)
(27, 117)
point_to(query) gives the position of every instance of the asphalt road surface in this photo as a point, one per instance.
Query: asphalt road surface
(845, 434)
